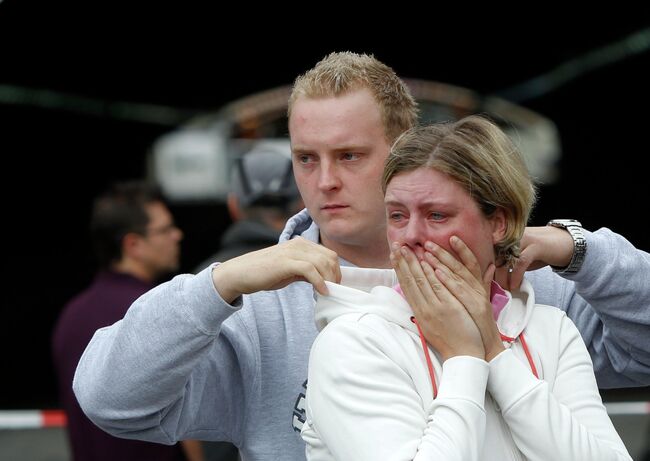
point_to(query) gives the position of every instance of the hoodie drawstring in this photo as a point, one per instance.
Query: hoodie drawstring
(508, 339)
(427, 357)
(526, 351)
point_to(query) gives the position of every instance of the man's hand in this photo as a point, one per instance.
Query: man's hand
(276, 267)
(540, 246)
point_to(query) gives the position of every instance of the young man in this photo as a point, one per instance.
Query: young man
(223, 355)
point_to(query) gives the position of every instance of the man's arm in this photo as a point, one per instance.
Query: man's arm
(608, 298)
(145, 376)
(193, 450)
(173, 365)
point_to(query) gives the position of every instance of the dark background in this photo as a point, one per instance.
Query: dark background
(56, 159)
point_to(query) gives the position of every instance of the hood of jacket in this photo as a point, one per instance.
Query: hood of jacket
(370, 291)
(302, 225)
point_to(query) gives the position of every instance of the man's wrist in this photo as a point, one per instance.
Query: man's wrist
(574, 228)
(221, 284)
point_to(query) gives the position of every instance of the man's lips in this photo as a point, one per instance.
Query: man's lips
(333, 207)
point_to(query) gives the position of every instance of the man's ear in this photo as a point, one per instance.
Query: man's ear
(233, 207)
(130, 244)
(499, 225)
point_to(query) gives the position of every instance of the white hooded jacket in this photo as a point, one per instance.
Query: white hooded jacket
(370, 396)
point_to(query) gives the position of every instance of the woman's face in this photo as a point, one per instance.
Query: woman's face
(426, 205)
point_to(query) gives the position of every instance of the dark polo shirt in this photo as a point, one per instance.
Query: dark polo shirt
(103, 303)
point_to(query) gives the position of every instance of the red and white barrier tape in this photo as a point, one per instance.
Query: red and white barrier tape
(39, 419)
(627, 408)
(32, 419)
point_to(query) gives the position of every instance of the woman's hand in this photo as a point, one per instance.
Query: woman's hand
(444, 320)
(463, 279)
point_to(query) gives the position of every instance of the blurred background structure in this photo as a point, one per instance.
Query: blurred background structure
(90, 97)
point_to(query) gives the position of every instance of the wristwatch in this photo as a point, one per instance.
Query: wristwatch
(574, 228)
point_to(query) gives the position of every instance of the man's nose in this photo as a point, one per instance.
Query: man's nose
(329, 176)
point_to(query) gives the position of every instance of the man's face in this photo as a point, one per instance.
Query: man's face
(425, 204)
(339, 148)
(160, 249)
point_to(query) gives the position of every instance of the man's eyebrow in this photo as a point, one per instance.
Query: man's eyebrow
(347, 148)
(300, 150)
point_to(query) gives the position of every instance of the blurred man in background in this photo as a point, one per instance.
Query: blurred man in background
(263, 196)
(136, 243)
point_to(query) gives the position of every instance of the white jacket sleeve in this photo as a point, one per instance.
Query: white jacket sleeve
(363, 405)
(560, 420)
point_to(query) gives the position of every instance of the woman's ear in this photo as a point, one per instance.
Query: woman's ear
(499, 225)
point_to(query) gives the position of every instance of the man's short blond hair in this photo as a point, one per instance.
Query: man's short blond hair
(341, 72)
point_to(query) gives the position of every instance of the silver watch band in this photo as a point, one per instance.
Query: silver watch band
(574, 228)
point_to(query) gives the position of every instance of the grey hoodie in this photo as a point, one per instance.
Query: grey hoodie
(185, 364)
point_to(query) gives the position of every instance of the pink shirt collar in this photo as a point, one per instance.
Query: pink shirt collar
(498, 299)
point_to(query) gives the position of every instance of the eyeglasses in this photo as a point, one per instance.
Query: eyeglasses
(165, 230)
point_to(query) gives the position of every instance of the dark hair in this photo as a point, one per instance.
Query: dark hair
(117, 212)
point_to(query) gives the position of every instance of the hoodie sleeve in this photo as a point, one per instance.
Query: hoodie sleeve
(153, 375)
(560, 420)
(609, 302)
(363, 405)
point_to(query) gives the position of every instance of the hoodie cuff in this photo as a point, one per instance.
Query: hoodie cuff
(207, 307)
(510, 379)
(464, 377)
